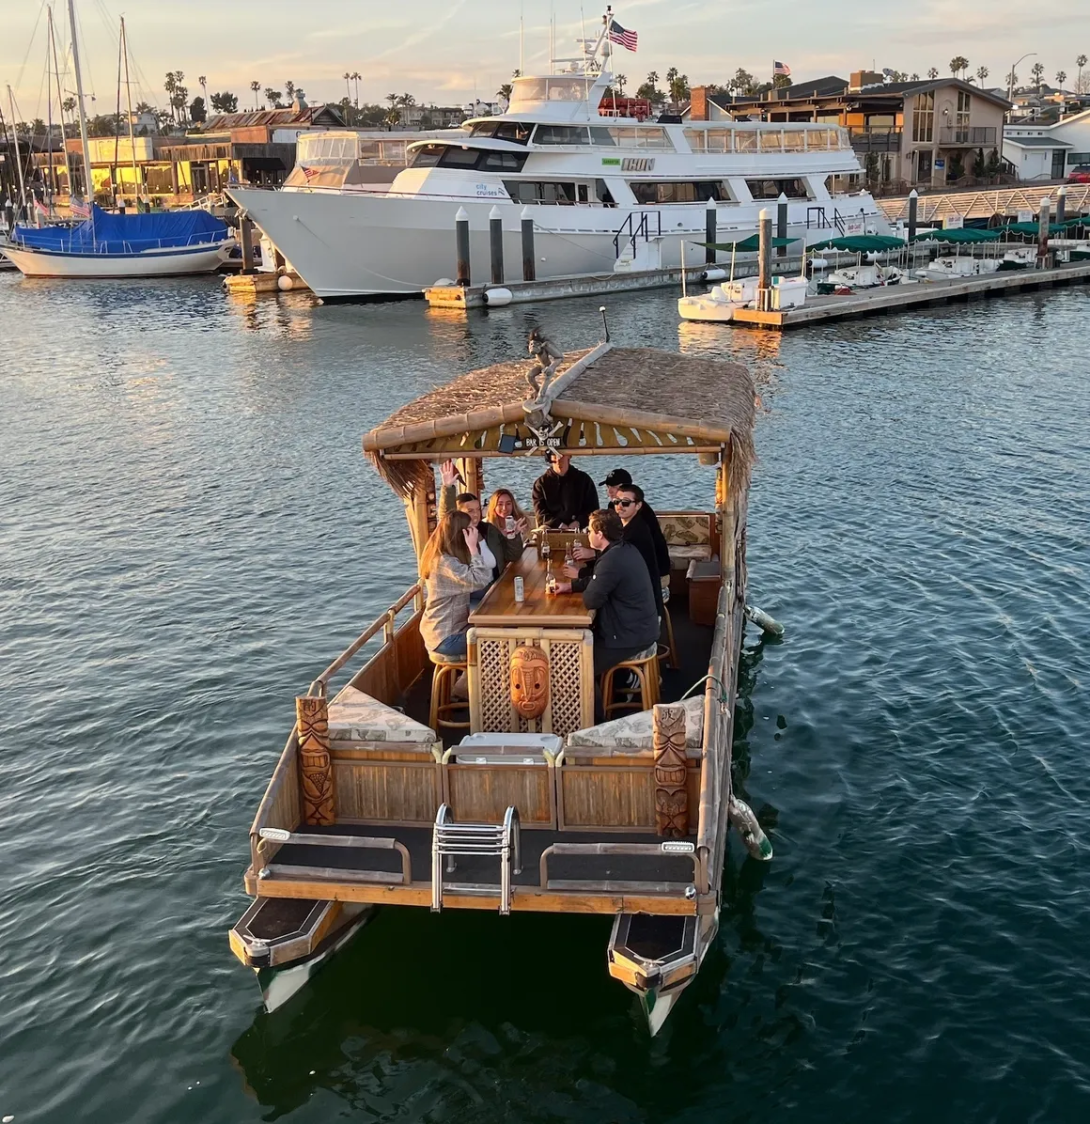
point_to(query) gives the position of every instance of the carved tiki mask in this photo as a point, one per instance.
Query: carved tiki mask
(529, 681)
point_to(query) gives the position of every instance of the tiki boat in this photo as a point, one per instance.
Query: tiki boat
(392, 792)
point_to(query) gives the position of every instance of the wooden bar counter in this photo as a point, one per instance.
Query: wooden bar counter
(499, 607)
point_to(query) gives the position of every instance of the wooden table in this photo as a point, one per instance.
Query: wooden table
(538, 609)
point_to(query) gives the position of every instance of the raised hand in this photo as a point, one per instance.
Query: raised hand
(448, 473)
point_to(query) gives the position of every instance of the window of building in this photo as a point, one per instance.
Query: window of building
(923, 118)
(772, 188)
(560, 134)
(961, 122)
(648, 192)
(1078, 157)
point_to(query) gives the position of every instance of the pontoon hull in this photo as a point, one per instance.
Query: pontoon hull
(178, 262)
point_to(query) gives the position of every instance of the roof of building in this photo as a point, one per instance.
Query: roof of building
(1037, 142)
(832, 86)
(475, 410)
(275, 118)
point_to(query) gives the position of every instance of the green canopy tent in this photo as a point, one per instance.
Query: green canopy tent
(861, 243)
(750, 245)
(967, 235)
(1032, 228)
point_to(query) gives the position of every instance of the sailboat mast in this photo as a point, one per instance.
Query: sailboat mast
(88, 186)
(18, 157)
(128, 98)
(49, 177)
(60, 102)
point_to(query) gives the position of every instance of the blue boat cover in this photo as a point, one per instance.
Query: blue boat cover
(106, 233)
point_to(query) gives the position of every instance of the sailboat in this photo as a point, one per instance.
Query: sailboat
(106, 245)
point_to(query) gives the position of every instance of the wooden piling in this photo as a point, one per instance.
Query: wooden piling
(495, 244)
(529, 269)
(764, 258)
(710, 228)
(781, 225)
(913, 209)
(1044, 221)
(1061, 206)
(246, 241)
(461, 238)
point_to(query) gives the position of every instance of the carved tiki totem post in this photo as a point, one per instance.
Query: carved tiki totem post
(315, 767)
(671, 793)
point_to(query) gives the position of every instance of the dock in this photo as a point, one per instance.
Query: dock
(254, 284)
(556, 288)
(897, 298)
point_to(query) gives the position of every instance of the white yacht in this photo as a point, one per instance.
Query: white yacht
(605, 192)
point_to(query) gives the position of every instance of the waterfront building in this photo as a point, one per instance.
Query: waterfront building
(907, 134)
(1040, 151)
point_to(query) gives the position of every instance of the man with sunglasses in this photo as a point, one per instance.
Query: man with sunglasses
(619, 479)
(628, 505)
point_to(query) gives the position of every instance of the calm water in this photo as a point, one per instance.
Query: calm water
(188, 533)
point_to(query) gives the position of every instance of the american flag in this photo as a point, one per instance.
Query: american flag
(311, 173)
(618, 34)
(80, 209)
(780, 69)
(40, 207)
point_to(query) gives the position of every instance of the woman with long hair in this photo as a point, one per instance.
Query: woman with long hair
(451, 568)
(506, 516)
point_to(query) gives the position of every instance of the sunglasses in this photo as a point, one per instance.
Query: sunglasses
(626, 503)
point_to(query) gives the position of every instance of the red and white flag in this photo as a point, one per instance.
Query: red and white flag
(780, 70)
(41, 208)
(618, 34)
(80, 209)
(310, 173)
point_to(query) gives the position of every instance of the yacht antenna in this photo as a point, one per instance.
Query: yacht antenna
(88, 186)
(132, 138)
(522, 37)
(60, 102)
(18, 157)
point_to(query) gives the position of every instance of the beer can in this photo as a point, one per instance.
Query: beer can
(520, 589)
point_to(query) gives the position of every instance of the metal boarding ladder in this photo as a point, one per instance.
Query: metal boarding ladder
(450, 839)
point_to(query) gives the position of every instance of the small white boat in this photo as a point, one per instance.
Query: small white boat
(867, 276)
(718, 304)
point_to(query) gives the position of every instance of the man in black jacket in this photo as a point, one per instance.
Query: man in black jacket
(628, 505)
(620, 590)
(619, 480)
(563, 496)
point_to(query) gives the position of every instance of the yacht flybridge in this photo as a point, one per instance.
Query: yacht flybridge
(604, 191)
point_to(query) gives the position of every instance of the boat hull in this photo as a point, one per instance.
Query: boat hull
(179, 262)
(355, 244)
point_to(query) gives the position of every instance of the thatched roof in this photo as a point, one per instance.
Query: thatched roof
(652, 398)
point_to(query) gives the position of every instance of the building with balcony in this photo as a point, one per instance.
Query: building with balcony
(1048, 152)
(922, 134)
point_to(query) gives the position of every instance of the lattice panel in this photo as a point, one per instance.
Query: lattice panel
(571, 703)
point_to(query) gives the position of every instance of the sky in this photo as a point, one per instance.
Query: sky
(452, 51)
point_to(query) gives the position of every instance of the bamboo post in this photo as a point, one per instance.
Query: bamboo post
(461, 238)
(315, 766)
(671, 794)
(495, 244)
(710, 231)
(529, 269)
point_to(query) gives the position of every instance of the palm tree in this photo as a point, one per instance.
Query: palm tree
(1080, 62)
(356, 76)
(1061, 78)
(620, 81)
(347, 79)
(958, 64)
(914, 78)
(203, 83)
(1038, 73)
(652, 78)
(504, 92)
(255, 86)
(933, 73)
(171, 87)
(289, 90)
(981, 74)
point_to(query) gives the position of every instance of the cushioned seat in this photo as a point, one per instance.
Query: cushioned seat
(355, 717)
(439, 657)
(636, 731)
(680, 554)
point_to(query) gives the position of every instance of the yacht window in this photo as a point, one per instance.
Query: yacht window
(631, 136)
(772, 189)
(426, 156)
(677, 191)
(560, 134)
(745, 141)
(537, 191)
(454, 156)
(709, 140)
(567, 89)
(504, 161)
(515, 131)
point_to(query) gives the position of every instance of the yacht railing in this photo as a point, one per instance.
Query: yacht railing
(637, 225)
(114, 246)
